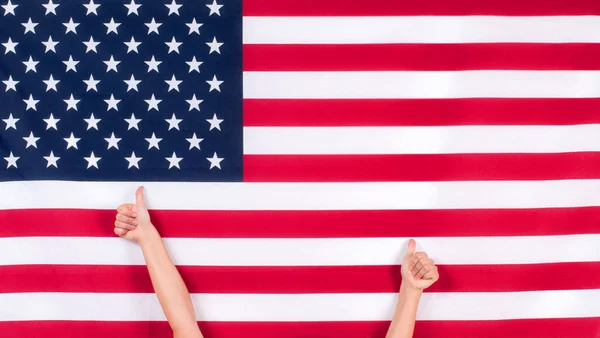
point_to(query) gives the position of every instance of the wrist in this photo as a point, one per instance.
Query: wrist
(410, 291)
(148, 235)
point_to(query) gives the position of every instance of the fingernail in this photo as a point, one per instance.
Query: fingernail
(134, 222)
(134, 214)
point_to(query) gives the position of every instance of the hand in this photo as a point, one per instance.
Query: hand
(418, 271)
(133, 220)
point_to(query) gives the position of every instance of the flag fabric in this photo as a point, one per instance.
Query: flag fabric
(289, 149)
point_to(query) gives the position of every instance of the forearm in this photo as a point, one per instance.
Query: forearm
(172, 293)
(403, 322)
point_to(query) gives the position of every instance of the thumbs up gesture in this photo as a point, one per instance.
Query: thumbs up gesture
(133, 220)
(418, 271)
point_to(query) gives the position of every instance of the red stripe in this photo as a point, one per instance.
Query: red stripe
(438, 167)
(324, 279)
(312, 223)
(420, 112)
(547, 328)
(416, 7)
(369, 57)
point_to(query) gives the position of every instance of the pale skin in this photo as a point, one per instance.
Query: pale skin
(418, 273)
(133, 223)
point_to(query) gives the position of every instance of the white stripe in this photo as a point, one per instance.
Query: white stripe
(302, 251)
(303, 196)
(420, 29)
(421, 84)
(421, 140)
(302, 307)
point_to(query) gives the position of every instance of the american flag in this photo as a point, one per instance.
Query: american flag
(289, 148)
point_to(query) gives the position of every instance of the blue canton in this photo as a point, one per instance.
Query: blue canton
(121, 90)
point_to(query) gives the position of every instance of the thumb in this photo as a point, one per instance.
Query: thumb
(139, 197)
(412, 245)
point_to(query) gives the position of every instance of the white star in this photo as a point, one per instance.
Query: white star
(153, 64)
(11, 84)
(91, 8)
(173, 83)
(12, 160)
(214, 122)
(10, 46)
(9, 8)
(194, 103)
(52, 160)
(132, 83)
(173, 122)
(71, 103)
(173, 46)
(50, 45)
(215, 161)
(215, 8)
(194, 141)
(174, 161)
(11, 122)
(51, 122)
(133, 161)
(51, 83)
(29, 26)
(51, 7)
(214, 84)
(194, 27)
(153, 142)
(31, 102)
(71, 26)
(112, 26)
(194, 65)
(113, 142)
(91, 45)
(71, 64)
(153, 103)
(132, 45)
(92, 122)
(112, 103)
(133, 8)
(30, 65)
(133, 122)
(214, 46)
(92, 161)
(31, 140)
(91, 83)
(173, 8)
(72, 141)
(112, 64)
(153, 27)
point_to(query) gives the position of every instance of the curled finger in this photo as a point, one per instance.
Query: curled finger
(423, 271)
(432, 274)
(421, 254)
(124, 226)
(126, 219)
(418, 266)
(127, 210)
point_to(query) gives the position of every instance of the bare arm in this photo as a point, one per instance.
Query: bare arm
(133, 223)
(418, 273)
